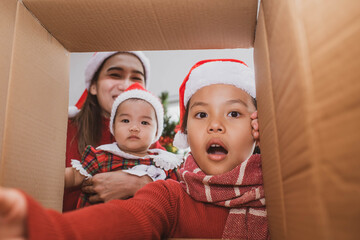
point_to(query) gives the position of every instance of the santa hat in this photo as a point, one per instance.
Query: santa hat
(208, 72)
(93, 65)
(138, 92)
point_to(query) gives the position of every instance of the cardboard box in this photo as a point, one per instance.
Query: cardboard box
(34, 80)
(307, 71)
(87, 26)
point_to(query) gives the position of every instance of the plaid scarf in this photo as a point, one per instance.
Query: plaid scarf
(240, 189)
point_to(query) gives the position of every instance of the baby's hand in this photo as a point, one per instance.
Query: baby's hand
(255, 127)
(12, 214)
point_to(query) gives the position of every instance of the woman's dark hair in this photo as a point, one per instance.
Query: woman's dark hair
(186, 115)
(89, 120)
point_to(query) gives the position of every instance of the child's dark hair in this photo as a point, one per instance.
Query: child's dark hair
(186, 114)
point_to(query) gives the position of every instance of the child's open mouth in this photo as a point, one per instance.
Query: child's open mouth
(216, 152)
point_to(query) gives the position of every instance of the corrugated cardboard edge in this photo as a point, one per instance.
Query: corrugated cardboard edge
(289, 66)
(314, 82)
(269, 134)
(87, 26)
(7, 24)
(34, 139)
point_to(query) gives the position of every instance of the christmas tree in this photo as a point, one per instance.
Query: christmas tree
(167, 137)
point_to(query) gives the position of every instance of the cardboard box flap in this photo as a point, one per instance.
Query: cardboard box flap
(97, 25)
(7, 24)
(35, 111)
(307, 70)
(269, 133)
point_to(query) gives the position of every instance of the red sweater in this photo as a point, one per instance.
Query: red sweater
(71, 195)
(161, 209)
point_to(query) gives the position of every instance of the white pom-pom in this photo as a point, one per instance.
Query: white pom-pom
(180, 140)
(72, 111)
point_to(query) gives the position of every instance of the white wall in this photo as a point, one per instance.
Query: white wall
(168, 69)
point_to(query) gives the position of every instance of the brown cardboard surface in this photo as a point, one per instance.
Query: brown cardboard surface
(310, 54)
(96, 25)
(307, 70)
(36, 114)
(7, 23)
(269, 136)
(335, 89)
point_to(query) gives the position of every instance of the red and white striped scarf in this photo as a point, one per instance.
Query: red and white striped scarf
(241, 190)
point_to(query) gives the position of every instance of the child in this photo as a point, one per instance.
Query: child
(220, 194)
(136, 122)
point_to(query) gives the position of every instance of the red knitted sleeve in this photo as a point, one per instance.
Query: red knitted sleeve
(149, 215)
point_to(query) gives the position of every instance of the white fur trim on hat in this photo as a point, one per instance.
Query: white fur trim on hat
(72, 111)
(180, 140)
(98, 58)
(146, 96)
(210, 73)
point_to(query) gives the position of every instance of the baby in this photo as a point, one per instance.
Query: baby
(136, 122)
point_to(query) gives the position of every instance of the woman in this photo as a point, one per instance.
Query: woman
(107, 75)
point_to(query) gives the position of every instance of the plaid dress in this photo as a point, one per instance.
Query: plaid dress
(96, 161)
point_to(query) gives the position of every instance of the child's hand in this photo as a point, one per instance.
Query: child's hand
(12, 214)
(255, 127)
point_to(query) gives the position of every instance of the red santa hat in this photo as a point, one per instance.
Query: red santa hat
(93, 65)
(138, 92)
(208, 72)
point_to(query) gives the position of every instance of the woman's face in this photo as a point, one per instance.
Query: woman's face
(117, 74)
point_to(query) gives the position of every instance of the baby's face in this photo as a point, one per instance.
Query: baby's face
(219, 127)
(135, 126)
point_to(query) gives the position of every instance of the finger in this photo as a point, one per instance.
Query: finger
(88, 189)
(255, 124)
(13, 209)
(4, 202)
(88, 182)
(254, 115)
(95, 199)
(255, 134)
(7, 199)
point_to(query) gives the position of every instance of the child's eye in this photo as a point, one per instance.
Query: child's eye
(125, 120)
(201, 115)
(234, 114)
(145, 123)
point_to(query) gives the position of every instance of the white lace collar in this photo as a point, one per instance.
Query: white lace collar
(163, 159)
(114, 149)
